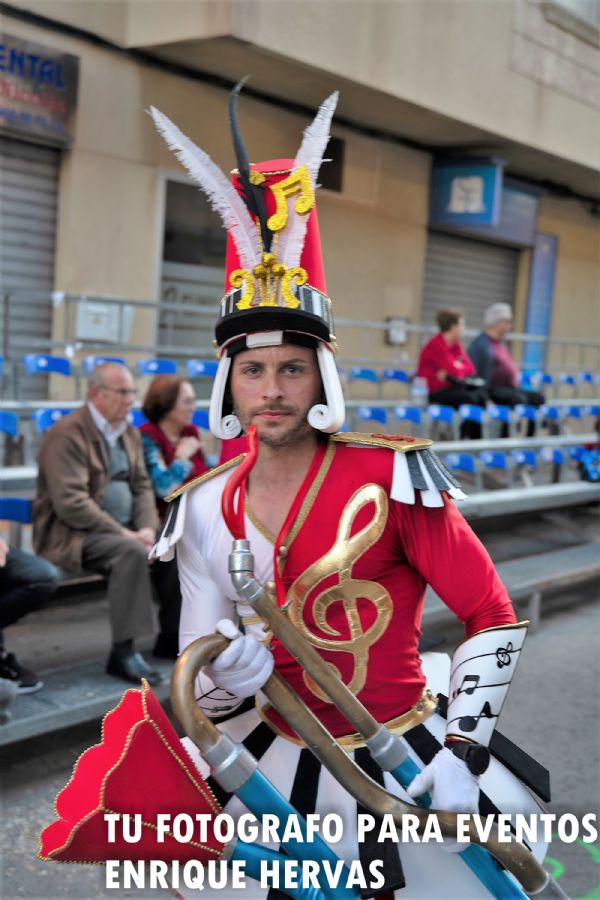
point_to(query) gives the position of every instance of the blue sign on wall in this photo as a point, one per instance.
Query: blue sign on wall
(465, 194)
(539, 299)
(474, 199)
(38, 91)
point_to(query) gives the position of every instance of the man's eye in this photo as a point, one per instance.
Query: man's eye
(294, 369)
(251, 370)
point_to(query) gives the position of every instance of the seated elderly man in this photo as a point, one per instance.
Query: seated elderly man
(95, 509)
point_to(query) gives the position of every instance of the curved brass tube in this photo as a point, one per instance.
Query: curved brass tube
(514, 856)
(197, 725)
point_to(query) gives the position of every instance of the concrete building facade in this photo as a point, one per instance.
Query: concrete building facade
(510, 86)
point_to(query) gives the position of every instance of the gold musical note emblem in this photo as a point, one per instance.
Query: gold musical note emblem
(296, 183)
(338, 561)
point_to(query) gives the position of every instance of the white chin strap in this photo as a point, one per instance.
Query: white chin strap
(328, 417)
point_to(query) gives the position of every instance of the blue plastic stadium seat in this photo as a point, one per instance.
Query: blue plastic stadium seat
(372, 414)
(359, 374)
(408, 414)
(545, 378)
(200, 419)
(461, 462)
(202, 368)
(593, 409)
(576, 453)
(45, 363)
(136, 418)
(470, 413)
(524, 458)
(45, 418)
(551, 412)
(572, 412)
(585, 378)
(1, 366)
(9, 423)
(499, 413)
(157, 366)
(567, 378)
(525, 380)
(395, 375)
(440, 413)
(524, 411)
(494, 459)
(90, 362)
(15, 509)
(552, 455)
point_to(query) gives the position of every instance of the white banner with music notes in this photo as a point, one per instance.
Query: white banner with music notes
(482, 669)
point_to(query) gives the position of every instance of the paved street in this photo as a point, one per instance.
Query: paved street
(556, 692)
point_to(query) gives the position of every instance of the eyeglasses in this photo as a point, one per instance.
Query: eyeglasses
(123, 392)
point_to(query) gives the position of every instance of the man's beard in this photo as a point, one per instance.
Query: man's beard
(298, 433)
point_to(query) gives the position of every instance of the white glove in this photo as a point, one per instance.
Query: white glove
(452, 787)
(244, 666)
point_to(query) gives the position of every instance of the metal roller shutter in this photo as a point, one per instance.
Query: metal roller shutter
(467, 274)
(28, 201)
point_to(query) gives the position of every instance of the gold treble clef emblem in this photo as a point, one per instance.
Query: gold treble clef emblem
(338, 561)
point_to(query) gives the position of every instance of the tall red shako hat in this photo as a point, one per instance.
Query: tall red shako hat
(274, 280)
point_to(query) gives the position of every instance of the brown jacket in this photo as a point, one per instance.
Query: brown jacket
(71, 487)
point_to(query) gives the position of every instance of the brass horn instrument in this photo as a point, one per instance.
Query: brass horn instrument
(217, 749)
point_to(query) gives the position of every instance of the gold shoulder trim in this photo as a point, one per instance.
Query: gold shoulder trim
(400, 444)
(206, 476)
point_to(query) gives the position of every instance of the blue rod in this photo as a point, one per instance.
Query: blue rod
(253, 854)
(261, 798)
(495, 879)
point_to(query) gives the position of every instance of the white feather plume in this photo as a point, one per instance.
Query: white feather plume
(310, 154)
(221, 194)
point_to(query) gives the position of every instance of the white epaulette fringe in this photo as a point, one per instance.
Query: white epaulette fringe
(424, 471)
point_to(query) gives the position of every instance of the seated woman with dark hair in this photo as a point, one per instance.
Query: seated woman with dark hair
(449, 372)
(173, 452)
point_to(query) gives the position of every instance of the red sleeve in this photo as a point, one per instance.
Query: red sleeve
(431, 360)
(467, 366)
(441, 546)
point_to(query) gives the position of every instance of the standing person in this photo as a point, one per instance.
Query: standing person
(349, 528)
(494, 363)
(174, 455)
(94, 509)
(26, 583)
(444, 364)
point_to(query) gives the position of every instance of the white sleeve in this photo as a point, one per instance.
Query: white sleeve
(202, 605)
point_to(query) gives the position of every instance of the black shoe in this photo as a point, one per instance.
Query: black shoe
(26, 680)
(166, 646)
(132, 667)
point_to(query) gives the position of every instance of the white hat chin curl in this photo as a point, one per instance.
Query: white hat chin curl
(223, 427)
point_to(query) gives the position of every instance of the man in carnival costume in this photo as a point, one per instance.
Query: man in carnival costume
(346, 530)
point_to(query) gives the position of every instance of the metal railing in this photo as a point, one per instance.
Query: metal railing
(561, 353)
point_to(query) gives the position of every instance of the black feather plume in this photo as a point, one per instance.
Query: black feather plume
(251, 193)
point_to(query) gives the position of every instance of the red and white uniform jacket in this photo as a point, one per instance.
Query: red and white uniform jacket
(372, 525)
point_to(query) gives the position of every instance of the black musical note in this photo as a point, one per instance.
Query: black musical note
(503, 655)
(469, 723)
(472, 680)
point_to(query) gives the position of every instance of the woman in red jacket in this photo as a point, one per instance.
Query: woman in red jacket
(444, 363)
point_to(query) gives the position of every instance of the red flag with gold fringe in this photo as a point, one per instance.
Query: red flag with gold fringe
(140, 767)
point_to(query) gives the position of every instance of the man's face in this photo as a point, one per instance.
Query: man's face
(503, 327)
(274, 388)
(114, 397)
